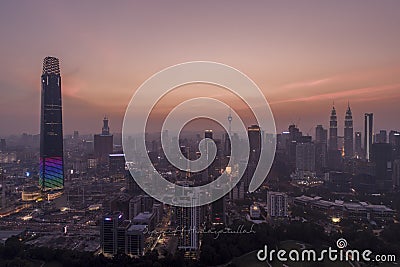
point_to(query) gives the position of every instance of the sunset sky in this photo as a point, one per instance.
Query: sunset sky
(302, 54)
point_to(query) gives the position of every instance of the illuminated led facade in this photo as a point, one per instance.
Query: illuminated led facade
(51, 174)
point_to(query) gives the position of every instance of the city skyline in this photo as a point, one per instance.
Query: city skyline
(199, 133)
(336, 57)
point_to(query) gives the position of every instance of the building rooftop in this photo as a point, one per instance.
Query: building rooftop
(143, 216)
(359, 206)
(137, 227)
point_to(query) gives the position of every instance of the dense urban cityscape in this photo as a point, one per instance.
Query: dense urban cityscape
(200, 133)
(71, 199)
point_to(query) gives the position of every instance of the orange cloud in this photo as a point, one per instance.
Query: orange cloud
(366, 93)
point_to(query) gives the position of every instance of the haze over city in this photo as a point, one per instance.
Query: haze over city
(302, 57)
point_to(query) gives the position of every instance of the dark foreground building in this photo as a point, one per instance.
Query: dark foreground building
(51, 175)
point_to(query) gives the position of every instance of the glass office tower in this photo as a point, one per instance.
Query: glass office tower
(51, 175)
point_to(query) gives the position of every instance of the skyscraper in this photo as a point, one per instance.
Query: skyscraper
(321, 135)
(218, 208)
(3, 145)
(3, 189)
(396, 174)
(210, 172)
(51, 174)
(277, 204)
(294, 136)
(394, 141)
(305, 157)
(228, 135)
(109, 233)
(333, 143)
(368, 130)
(103, 143)
(357, 145)
(334, 157)
(135, 240)
(381, 137)
(321, 140)
(348, 134)
(394, 138)
(188, 220)
(381, 156)
(254, 134)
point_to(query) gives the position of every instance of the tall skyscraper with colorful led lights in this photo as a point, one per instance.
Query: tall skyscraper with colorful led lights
(51, 174)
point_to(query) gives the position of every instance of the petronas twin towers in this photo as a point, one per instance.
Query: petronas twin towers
(51, 173)
(348, 133)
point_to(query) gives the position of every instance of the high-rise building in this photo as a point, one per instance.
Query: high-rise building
(321, 141)
(145, 218)
(109, 233)
(368, 131)
(218, 208)
(381, 156)
(135, 240)
(348, 134)
(188, 220)
(135, 206)
(116, 166)
(277, 204)
(103, 143)
(76, 135)
(227, 138)
(394, 141)
(227, 145)
(333, 142)
(321, 135)
(394, 138)
(254, 134)
(334, 156)
(292, 137)
(3, 145)
(305, 157)
(105, 130)
(122, 229)
(208, 134)
(238, 192)
(3, 189)
(357, 145)
(211, 172)
(51, 174)
(381, 137)
(396, 174)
